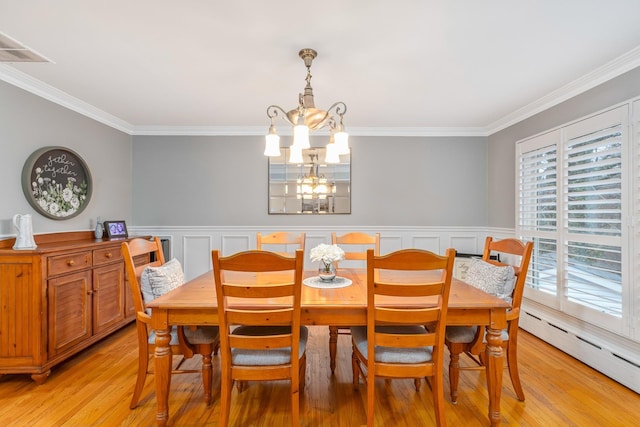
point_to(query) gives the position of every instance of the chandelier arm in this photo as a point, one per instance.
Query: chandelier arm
(331, 122)
(272, 113)
(341, 108)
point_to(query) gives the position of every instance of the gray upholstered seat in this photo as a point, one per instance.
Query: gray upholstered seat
(276, 356)
(393, 354)
(466, 334)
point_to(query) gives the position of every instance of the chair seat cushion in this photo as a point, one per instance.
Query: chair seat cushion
(174, 336)
(277, 356)
(466, 334)
(393, 354)
(201, 335)
(495, 280)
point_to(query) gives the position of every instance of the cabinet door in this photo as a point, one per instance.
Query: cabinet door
(108, 296)
(69, 299)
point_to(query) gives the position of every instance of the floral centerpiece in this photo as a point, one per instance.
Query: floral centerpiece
(327, 255)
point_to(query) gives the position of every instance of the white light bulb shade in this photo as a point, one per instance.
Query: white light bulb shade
(301, 136)
(295, 155)
(332, 154)
(272, 146)
(342, 142)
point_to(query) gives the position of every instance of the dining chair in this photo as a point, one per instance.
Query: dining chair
(150, 276)
(507, 281)
(395, 342)
(263, 343)
(289, 242)
(354, 245)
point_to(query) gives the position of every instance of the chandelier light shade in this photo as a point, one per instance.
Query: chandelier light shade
(301, 136)
(332, 155)
(306, 118)
(272, 148)
(295, 155)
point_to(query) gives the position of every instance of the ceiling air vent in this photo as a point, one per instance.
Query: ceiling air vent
(14, 51)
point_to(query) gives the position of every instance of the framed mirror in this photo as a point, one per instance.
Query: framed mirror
(311, 187)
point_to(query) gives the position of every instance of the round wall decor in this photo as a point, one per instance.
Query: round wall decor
(56, 182)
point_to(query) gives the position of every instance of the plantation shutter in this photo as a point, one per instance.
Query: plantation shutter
(538, 208)
(593, 209)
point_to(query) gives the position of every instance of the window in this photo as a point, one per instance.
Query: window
(572, 204)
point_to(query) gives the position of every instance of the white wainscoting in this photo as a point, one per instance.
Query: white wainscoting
(192, 245)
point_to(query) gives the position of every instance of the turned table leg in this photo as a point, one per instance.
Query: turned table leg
(162, 374)
(494, 367)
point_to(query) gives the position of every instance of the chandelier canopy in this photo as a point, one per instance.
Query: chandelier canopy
(305, 118)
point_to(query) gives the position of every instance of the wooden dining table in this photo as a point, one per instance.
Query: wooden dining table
(194, 303)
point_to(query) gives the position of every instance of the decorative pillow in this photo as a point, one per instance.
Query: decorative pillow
(157, 281)
(492, 279)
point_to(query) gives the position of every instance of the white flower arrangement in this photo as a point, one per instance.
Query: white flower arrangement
(327, 254)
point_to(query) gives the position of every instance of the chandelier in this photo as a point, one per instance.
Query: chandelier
(313, 185)
(305, 118)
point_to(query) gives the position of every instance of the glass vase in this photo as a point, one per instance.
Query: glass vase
(327, 271)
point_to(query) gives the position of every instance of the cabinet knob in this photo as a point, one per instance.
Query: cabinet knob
(108, 254)
(70, 262)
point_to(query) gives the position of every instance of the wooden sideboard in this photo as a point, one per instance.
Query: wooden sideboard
(58, 299)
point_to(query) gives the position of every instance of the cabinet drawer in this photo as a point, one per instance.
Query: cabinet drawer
(69, 262)
(107, 255)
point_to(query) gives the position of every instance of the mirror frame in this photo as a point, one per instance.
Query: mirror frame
(287, 196)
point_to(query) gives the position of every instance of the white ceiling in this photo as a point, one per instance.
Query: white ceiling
(422, 66)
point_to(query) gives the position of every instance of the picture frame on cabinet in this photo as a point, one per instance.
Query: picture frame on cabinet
(116, 229)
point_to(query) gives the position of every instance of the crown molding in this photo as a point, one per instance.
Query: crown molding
(620, 65)
(286, 131)
(24, 81)
(612, 69)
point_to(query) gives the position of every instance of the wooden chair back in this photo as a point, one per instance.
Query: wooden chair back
(355, 245)
(276, 280)
(392, 324)
(517, 248)
(289, 242)
(384, 313)
(507, 249)
(138, 254)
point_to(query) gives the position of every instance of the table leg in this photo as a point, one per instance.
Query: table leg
(162, 374)
(333, 346)
(494, 367)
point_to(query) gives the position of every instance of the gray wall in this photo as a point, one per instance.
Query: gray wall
(27, 123)
(202, 181)
(217, 180)
(501, 149)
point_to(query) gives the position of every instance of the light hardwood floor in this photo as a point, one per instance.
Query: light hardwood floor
(94, 389)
